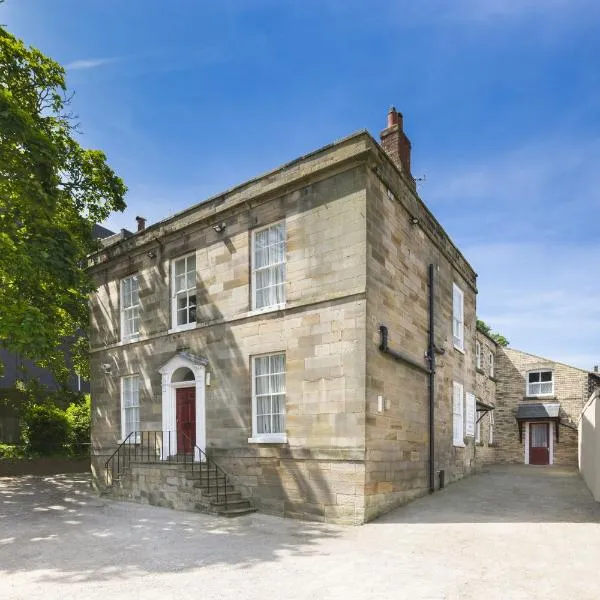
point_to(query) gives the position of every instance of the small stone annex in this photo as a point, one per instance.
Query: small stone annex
(304, 344)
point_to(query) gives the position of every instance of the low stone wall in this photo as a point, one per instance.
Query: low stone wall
(9, 467)
(316, 485)
(160, 485)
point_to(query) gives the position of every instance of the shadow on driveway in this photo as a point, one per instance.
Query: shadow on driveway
(506, 494)
(57, 526)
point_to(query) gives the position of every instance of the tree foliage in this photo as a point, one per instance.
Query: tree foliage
(497, 337)
(52, 191)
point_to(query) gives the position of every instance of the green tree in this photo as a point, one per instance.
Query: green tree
(52, 191)
(497, 337)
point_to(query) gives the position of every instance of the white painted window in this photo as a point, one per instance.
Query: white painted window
(491, 423)
(268, 267)
(130, 308)
(130, 406)
(470, 415)
(478, 355)
(457, 414)
(540, 383)
(458, 317)
(478, 430)
(491, 359)
(184, 292)
(268, 398)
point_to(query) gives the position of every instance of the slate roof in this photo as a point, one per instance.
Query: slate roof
(99, 232)
(538, 411)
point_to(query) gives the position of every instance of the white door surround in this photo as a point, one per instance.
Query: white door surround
(197, 365)
(551, 441)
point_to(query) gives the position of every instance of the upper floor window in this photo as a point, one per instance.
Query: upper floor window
(268, 398)
(458, 318)
(130, 407)
(478, 355)
(491, 359)
(130, 308)
(184, 291)
(540, 383)
(268, 266)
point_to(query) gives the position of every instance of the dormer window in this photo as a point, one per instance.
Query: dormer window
(540, 383)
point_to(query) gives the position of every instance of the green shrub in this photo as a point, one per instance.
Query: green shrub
(45, 430)
(78, 415)
(11, 451)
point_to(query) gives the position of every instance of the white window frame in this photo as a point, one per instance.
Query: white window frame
(478, 354)
(282, 264)
(127, 310)
(491, 428)
(191, 324)
(477, 430)
(458, 414)
(266, 438)
(528, 384)
(470, 414)
(124, 433)
(458, 318)
(492, 366)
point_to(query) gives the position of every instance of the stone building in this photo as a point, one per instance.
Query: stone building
(486, 439)
(311, 330)
(538, 406)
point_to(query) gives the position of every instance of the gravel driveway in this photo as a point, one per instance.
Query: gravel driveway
(513, 532)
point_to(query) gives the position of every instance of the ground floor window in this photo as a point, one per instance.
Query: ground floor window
(458, 414)
(130, 406)
(268, 396)
(491, 431)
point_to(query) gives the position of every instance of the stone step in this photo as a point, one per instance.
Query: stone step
(212, 490)
(236, 512)
(232, 498)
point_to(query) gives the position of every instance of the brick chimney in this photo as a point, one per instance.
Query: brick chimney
(141, 223)
(395, 142)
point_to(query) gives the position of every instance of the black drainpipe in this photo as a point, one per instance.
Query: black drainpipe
(431, 359)
(430, 370)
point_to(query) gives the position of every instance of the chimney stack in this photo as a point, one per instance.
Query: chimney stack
(141, 223)
(396, 144)
(595, 368)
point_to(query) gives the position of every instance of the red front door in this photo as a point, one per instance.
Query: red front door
(539, 444)
(185, 400)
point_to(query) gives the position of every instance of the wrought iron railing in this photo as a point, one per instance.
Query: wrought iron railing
(157, 446)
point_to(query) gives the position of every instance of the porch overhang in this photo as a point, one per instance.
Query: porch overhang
(538, 411)
(483, 408)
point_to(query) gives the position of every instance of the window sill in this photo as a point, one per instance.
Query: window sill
(480, 370)
(266, 309)
(458, 445)
(180, 328)
(541, 397)
(272, 438)
(459, 349)
(130, 340)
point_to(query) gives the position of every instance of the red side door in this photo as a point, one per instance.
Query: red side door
(185, 401)
(539, 444)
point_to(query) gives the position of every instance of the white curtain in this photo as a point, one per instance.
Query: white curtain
(269, 266)
(269, 389)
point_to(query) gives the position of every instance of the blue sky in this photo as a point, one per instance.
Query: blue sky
(501, 100)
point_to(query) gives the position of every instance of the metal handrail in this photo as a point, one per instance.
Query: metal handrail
(217, 468)
(149, 446)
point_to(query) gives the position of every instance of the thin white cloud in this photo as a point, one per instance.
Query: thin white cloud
(490, 9)
(92, 63)
(542, 297)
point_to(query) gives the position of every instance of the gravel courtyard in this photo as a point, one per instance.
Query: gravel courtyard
(512, 532)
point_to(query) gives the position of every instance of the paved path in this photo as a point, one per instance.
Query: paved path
(511, 533)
